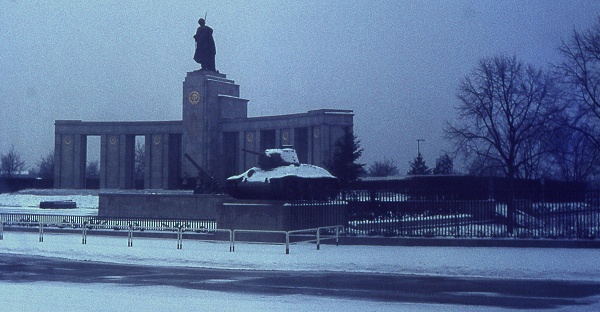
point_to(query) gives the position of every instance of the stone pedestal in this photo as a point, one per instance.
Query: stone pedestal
(255, 215)
(277, 215)
(271, 218)
(163, 205)
(208, 97)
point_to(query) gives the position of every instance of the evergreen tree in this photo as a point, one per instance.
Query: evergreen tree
(418, 166)
(444, 165)
(345, 154)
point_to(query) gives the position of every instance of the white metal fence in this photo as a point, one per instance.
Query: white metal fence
(196, 228)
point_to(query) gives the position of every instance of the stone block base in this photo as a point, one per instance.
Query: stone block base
(160, 204)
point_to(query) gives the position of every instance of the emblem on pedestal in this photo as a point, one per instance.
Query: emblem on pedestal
(194, 97)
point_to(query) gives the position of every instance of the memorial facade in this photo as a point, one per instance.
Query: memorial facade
(214, 129)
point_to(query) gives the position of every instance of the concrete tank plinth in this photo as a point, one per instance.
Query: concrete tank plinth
(274, 215)
(229, 213)
(159, 204)
(255, 215)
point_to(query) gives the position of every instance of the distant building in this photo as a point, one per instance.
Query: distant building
(214, 130)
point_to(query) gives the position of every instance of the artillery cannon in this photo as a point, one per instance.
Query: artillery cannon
(280, 176)
(205, 183)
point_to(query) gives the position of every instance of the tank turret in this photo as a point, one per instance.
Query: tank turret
(276, 157)
(280, 176)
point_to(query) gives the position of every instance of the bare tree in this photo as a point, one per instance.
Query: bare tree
(140, 161)
(580, 75)
(505, 108)
(92, 170)
(383, 168)
(11, 163)
(573, 156)
(46, 166)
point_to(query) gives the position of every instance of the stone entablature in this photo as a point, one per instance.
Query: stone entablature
(116, 127)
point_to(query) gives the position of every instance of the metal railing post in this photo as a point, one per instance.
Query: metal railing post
(130, 236)
(232, 247)
(230, 241)
(318, 238)
(287, 243)
(84, 233)
(41, 232)
(179, 238)
(337, 235)
(1, 227)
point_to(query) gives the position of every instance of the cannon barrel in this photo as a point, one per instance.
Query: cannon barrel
(194, 163)
(252, 152)
(210, 184)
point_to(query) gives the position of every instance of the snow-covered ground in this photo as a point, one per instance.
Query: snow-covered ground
(499, 262)
(109, 297)
(529, 263)
(519, 263)
(28, 201)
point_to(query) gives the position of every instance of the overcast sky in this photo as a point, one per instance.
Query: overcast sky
(397, 64)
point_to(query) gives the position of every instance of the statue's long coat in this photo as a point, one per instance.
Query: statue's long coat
(205, 46)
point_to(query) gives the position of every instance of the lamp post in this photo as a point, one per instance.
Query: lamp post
(419, 146)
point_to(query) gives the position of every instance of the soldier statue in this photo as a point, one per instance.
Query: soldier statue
(205, 47)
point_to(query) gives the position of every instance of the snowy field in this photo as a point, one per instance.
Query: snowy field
(517, 263)
(28, 201)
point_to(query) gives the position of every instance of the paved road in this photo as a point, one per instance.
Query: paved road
(517, 294)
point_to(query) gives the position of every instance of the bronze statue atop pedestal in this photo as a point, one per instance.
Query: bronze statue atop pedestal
(205, 47)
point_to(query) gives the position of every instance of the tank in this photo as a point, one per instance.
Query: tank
(280, 176)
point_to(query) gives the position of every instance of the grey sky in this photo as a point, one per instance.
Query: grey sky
(397, 64)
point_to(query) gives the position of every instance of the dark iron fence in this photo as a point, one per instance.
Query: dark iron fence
(314, 214)
(389, 213)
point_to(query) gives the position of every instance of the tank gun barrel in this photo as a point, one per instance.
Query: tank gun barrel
(252, 152)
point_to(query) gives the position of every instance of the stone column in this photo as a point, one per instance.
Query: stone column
(70, 160)
(109, 161)
(117, 153)
(156, 161)
(127, 161)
